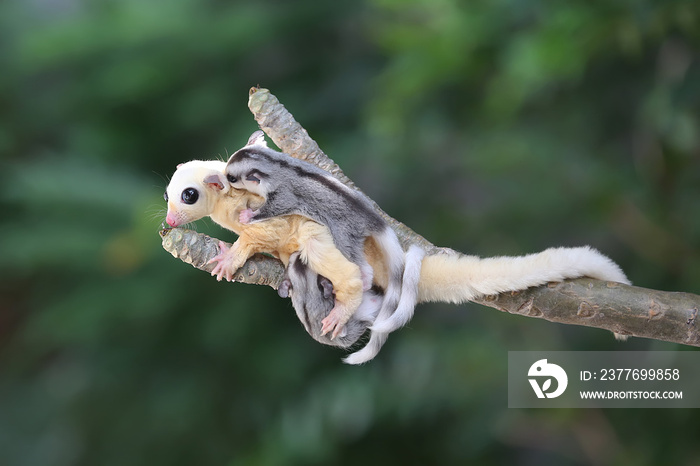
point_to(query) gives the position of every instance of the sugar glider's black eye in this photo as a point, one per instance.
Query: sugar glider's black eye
(190, 196)
(165, 196)
(231, 178)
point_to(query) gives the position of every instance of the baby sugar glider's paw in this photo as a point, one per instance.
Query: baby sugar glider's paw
(245, 216)
(335, 322)
(283, 289)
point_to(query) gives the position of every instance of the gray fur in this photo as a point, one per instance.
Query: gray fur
(312, 298)
(292, 186)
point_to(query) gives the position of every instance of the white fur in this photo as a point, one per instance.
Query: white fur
(452, 278)
(369, 351)
(457, 278)
(191, 175)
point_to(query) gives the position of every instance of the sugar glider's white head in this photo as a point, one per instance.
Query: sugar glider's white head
(194, 189)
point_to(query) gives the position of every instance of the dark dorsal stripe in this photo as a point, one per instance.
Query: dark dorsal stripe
(351, 197)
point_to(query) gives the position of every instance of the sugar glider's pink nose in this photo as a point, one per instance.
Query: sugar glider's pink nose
(171, 220)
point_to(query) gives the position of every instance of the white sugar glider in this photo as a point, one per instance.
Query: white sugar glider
(292, 186)
(444, 277)
(199, 188)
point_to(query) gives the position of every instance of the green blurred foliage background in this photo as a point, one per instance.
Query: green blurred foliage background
(499, 127)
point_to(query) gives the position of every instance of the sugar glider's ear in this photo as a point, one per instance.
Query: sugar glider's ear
(257, 139)
(217, 182)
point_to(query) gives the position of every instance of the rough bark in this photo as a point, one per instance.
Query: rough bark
(623, 309)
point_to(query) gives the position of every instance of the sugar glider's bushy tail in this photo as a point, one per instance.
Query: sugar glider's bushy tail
(394, 256)
(456, 278)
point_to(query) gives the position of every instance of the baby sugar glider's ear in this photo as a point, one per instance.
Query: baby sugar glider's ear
(217, 181)
(257, 139)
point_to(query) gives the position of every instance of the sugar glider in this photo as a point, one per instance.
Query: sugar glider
(443, 277)
(199, 188)
(312, 299)
(292, 186)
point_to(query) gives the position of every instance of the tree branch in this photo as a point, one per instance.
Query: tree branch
(197, 249)
(624, 309)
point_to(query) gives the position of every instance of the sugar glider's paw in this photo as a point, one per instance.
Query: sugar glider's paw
(334, 322)
(283, 289)
(226, 263)
(245, 216)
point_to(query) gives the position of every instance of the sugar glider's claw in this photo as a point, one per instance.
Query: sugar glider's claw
(332, 322)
